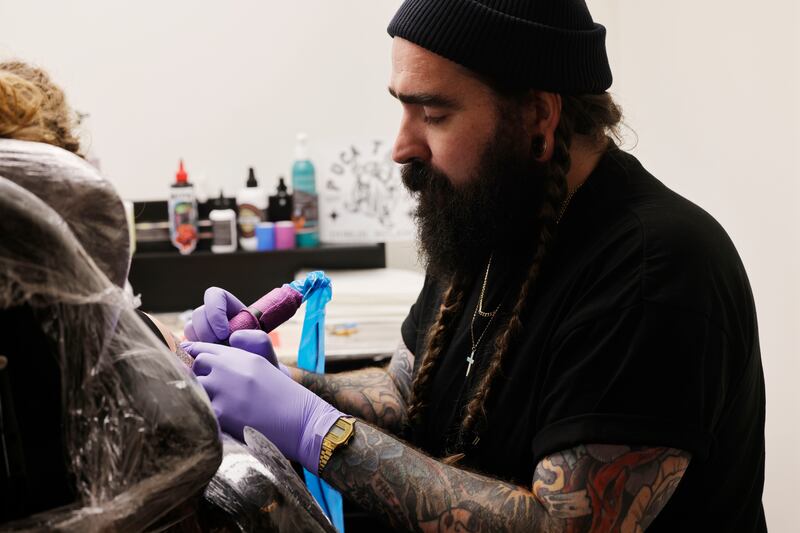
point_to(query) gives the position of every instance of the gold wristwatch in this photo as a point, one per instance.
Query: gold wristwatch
(340, 433)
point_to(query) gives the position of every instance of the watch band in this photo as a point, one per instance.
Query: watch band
(339, 435)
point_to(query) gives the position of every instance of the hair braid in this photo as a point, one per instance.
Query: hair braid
(594, 116)
(438, 337)
(555, 192)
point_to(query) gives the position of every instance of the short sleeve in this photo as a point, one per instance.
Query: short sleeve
(648, 374)
(409, 328)
(413, 328)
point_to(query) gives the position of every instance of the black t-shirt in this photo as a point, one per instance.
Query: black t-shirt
(641, 331)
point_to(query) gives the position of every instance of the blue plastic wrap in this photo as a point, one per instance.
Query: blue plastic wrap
(316, 291)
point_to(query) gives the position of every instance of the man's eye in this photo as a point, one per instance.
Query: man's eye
(435, 120)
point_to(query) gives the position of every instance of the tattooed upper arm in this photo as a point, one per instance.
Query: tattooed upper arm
(597, 487)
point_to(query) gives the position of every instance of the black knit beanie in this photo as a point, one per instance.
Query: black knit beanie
(550, 45)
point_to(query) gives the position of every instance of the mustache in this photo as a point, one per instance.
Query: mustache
(419, 177)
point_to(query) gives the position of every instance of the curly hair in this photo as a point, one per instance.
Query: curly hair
(595, 116)
(33, 108)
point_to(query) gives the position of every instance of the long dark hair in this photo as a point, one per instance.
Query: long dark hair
(595, 116)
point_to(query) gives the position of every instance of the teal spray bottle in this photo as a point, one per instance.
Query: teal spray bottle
(305, 212)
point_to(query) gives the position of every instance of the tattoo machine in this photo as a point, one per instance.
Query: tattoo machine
(275, 308)
(279, 305)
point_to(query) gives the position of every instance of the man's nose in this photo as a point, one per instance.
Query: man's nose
(410, 144)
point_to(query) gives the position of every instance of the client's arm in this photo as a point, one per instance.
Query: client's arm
(166, 336)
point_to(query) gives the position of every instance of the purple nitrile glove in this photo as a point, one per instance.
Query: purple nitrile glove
(209, 322)
(246, 390)
(257, 342)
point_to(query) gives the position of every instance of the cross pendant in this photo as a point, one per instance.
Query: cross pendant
(470, 360)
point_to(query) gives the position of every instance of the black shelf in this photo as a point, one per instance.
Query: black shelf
(171, 282)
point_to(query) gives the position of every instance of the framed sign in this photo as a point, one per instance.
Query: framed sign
(361, 196)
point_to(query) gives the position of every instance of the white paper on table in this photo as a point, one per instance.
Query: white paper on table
(376, 301)
(361, 196)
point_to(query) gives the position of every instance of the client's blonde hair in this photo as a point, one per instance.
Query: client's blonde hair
(33, 108)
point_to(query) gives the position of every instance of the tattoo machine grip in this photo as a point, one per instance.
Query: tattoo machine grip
(269, 311)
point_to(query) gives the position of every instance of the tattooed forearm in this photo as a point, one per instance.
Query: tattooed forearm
(608, 488)
(414, 492)
(586, 488)
(368, 394)
(401, 370)
(377, 395)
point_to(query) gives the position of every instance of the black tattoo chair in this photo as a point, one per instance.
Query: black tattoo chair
(101, 428)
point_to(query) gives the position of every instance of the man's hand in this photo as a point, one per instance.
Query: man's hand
(247, 390)
(377, 395)
(209, 322)
(257, 342)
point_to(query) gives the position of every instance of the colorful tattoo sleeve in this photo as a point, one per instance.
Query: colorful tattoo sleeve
(587, 488)
(608, 488)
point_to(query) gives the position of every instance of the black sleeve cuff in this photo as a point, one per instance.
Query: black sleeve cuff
(622, 430)
(408, 332)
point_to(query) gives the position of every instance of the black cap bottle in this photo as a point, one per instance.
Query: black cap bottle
(280, 204)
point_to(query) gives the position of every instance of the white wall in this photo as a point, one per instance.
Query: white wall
(224, 85)
(711, 88)
(713, 91)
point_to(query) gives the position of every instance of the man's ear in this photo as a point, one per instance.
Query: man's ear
(542, 114)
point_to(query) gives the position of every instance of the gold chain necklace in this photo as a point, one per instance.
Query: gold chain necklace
(481, 312)
(490, 315)
(565, 203)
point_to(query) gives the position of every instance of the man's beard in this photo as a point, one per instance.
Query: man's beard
(494, 212)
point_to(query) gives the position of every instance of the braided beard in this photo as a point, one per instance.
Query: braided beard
(496, 210)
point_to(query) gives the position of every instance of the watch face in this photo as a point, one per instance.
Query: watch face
(336, 431)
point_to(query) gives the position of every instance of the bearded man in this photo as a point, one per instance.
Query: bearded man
(584, 353)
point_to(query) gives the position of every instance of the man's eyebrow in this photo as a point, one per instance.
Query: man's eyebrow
(426, 99)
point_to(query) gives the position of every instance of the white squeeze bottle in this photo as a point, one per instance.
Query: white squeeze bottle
(223, 226)
(252, 202)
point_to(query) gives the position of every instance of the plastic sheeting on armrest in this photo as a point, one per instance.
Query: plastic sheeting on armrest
(140, 435)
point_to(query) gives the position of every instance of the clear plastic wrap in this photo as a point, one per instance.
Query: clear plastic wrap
(256, 489)
(140, 437)
(79, 195)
